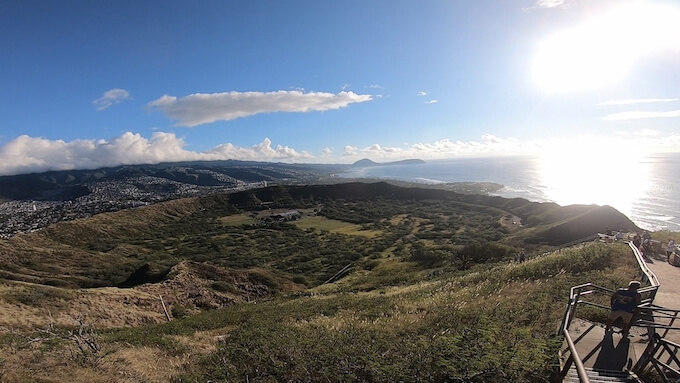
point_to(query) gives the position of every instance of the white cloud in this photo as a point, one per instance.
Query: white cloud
(645, 133)
(34, 154)
(636, 115)
(201, 108)
(378, 150)
(546, 4)
(422, 93)
(260, 152)
(113, 96)
(27, 154)
(631, 101)
(445, 148)
(550, 3)
(350, 150)
(375, 86)
(431, 102)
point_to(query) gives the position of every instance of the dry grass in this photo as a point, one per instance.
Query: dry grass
(28, 306)
(121, 364)
(333, 226)
(237, 220)
(399, 307)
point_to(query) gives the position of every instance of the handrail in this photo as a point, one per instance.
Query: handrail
(651, 277)
(575, 294)
(658, 350)
(667, 316)
(575, 358)
(652, 358)
(580, 368)
(663, 309)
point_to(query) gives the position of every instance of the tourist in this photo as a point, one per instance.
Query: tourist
(637, 241)
(619, 235)
(647, 242)
(670, 248)
(625, 305)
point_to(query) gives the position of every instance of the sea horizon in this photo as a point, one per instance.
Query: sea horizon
(643, 190)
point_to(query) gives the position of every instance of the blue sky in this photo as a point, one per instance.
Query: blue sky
(85, 84)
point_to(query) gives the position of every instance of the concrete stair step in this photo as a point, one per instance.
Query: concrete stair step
(600, 376)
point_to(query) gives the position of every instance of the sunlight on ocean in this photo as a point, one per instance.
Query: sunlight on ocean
(645, 189)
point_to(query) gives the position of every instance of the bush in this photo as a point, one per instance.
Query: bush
(179, 311)
(430, 257)
(37, 296)
(257, 277)
(224, 287)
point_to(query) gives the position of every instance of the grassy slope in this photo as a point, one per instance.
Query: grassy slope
(389, 319)
(493, 323)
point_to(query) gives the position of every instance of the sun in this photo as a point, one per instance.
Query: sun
(601, 51)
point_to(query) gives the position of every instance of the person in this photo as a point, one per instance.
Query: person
(637, 240)
(646, 242)
(619, 235)
(670, 248)
(625, 304)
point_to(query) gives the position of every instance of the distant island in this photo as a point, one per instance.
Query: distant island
(363, 163)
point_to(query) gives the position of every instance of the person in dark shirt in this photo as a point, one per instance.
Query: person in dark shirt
(625, 305)
(637, 241)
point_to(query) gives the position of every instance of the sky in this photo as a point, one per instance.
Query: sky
(89, 84)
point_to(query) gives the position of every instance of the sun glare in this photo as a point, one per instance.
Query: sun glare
(594, 172)
(601, 51)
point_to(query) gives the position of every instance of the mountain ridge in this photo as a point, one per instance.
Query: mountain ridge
(365, 162)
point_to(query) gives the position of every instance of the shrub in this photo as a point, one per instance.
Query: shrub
(224, 287)
(179, 311)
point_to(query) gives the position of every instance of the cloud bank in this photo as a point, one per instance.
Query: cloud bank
(113, 96)
(200, 108)
(26, 154)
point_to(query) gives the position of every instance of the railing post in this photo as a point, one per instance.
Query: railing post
(567, 366)
(650, 350)
(574, 305)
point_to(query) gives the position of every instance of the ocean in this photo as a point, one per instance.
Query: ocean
(646, 189)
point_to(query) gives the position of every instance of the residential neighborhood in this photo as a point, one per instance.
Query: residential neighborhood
(25, 216)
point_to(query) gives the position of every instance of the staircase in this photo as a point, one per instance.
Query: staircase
(591, 355)
(601, 376)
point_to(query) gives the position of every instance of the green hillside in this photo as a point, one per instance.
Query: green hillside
(365, 282)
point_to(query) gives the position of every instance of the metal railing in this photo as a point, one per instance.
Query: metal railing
(577, 293)
(661, 356)
(648, 275)
(575, 300)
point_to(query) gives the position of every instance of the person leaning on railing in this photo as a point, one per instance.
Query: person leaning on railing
(625, 305)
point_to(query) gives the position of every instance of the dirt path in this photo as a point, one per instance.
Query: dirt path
(669, 292)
